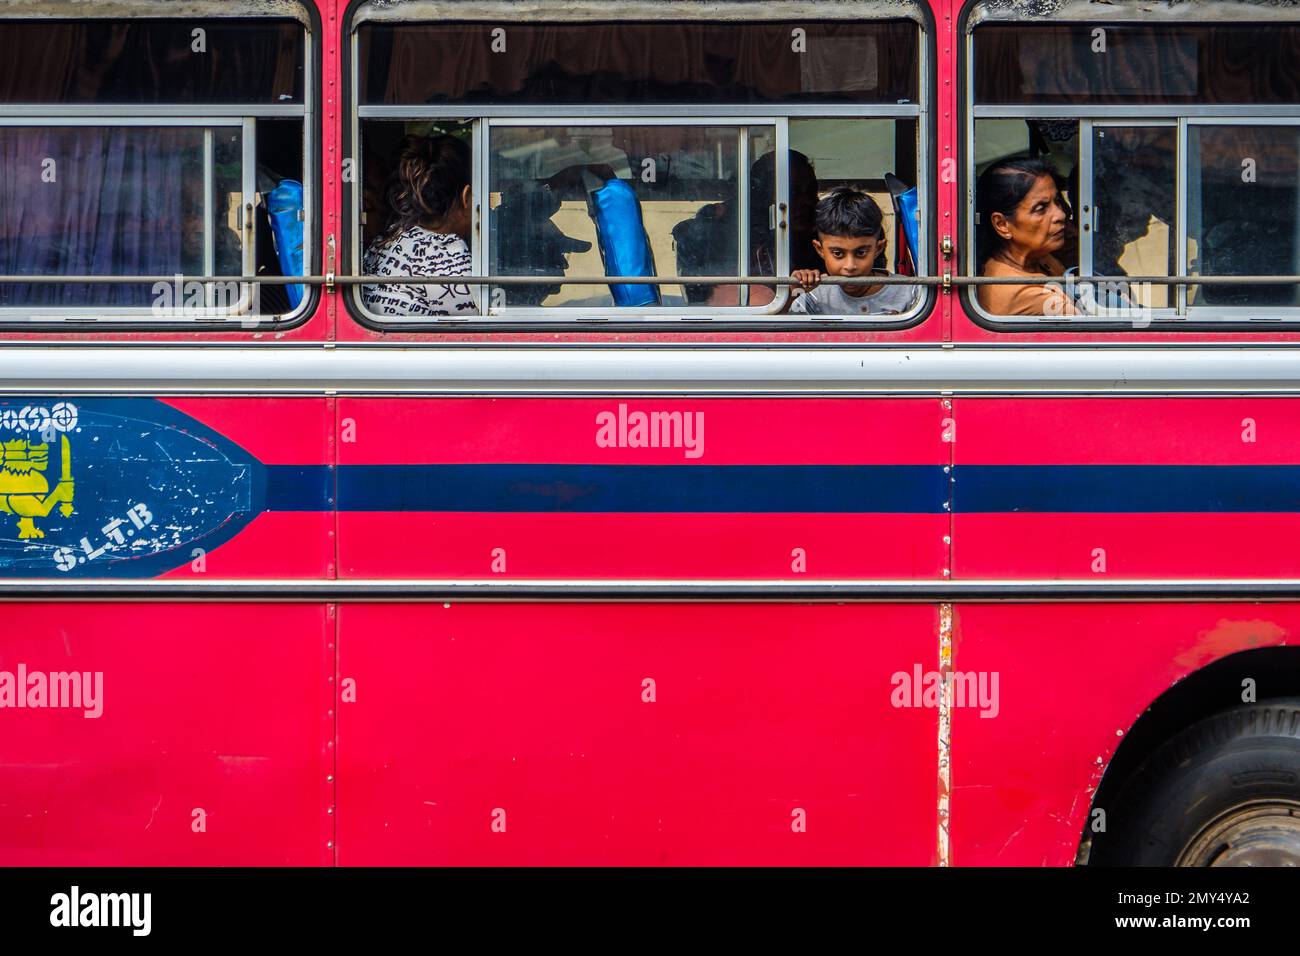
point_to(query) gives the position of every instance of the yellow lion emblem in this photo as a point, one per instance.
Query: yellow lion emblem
(24, 489)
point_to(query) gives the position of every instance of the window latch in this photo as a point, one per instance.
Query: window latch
(329, 264)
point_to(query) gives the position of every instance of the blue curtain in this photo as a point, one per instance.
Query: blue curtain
(98, 201)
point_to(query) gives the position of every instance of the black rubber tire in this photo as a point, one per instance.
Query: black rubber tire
(1243, 756)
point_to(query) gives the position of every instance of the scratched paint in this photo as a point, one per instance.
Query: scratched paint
(945, 731)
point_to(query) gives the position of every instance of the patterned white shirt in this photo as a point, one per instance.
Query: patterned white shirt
(417, 251)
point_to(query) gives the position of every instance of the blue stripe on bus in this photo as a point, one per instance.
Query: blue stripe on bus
(759, 489)
(1125, 489)
(834, 489)
(299, 488)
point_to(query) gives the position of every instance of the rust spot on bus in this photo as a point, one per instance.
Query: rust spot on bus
(1229, 637)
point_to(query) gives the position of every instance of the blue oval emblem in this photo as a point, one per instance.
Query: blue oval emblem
(125, 487)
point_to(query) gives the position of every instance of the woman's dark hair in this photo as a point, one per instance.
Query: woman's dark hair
(1001, 188)
(431, 174)
(848, 211)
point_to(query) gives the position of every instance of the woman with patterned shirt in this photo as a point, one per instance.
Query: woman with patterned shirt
(428, 231)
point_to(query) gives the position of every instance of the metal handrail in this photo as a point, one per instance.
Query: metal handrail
(943, 281)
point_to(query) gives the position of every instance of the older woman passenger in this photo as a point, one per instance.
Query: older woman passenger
(1021, 223)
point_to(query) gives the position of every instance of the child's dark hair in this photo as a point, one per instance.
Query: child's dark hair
(848, 211)
(1001, 188)
(431, 174)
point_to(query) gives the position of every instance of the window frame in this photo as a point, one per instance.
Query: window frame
(248, 186)
(1180, 318)
(482, 222)
(664, 318)
(179, 115)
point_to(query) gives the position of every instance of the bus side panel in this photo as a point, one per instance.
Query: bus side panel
(641, 488)
(620, 734)
(1126, 488)
(291, 438)
(196, 735)
(1067, 682)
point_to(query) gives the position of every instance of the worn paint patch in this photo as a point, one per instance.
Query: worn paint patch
(945, 733)
(1229, 637)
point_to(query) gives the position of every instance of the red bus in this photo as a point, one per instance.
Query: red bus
(592, 541)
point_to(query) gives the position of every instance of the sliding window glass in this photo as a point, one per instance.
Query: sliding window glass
(1174, 152)
(572, 170)
(171, 150)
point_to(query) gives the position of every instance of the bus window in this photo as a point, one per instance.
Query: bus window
(1053, 140)
(633, 150)
(116, 200)
(621, 64)
(880, 158)
(1128, 64)
(140, 62)
(607, 201)
(160, 148)
(1148, 132)
(1243, 212)
(1134, 183)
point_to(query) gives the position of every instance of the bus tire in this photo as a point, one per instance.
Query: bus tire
(1223, 792)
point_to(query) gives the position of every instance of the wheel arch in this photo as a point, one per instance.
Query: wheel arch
(1217, 687)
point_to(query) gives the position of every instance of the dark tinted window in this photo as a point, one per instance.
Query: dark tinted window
(615, 63)
(1243, 211)
(1075, 63)
(151, 61)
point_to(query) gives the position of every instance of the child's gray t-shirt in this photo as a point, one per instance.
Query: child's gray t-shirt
(833, 300)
